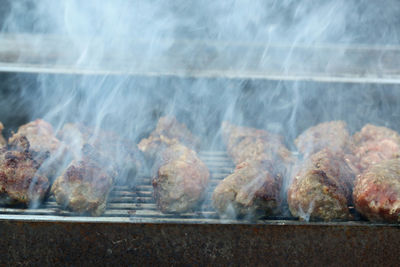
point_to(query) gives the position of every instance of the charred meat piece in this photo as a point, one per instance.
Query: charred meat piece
(172, 129)
(180, 179)
(255, 186)
(321, 187)
(152, 145)
(3, 142)
(84, 185)
(123, 153)
(42, 142)
(252, 190)
(20, 182)
(377, 191)
(247, 144)
(333, 135)
(168, 128)
(375, 144)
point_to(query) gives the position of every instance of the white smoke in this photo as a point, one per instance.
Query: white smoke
(193, 59)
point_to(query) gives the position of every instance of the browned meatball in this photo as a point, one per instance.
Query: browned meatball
(20, 182)
(180, 177)
(333, 135)
(263, 162)
(377, 191)
(252, 190)
(123, 153)
(85, 184)
(247, 144)
(321, 187)
(168, 128)
(42, 142)
(180, 180)
(375, 144)
(152, 145)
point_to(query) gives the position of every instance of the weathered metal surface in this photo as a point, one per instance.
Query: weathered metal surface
(67, 243)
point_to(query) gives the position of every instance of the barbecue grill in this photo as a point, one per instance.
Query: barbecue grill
(132, 230)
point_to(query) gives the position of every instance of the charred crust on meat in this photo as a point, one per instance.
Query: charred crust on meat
(179, 176)
(377, 191)
(20, 181)
(321, 187)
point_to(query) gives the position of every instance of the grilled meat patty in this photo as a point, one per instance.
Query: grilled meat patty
(375, 144)
(20, 182)
(262, 164)
(247, 144)
(123, 153)
(170, 130)
(321, 187)
(180, 179)
(44, 143)
(252, 190)
(85, 184)
(333, 135)
(152, 145)
(377, 191)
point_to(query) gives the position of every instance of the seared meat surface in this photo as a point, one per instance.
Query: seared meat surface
(20, 182)
(262, 163)
(333, 135)
(252, 190)
(321, 187)
(42, 141)
(170, 130)
(84, 185)
(123, 153)
(322, 180)
(247, 144)
(3, 142)
(375, 144)
(181, 179)
(377, 191)
(152, 145)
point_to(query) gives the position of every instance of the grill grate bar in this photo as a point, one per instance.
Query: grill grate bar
(136, 203)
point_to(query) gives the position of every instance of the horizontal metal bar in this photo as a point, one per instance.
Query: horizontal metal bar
(201, 59)
(73, 70)
(113, 219)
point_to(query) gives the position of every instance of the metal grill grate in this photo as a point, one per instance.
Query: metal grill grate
(137, 204)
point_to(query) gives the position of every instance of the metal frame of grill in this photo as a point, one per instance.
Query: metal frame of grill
(132, 230)
(31, 53)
